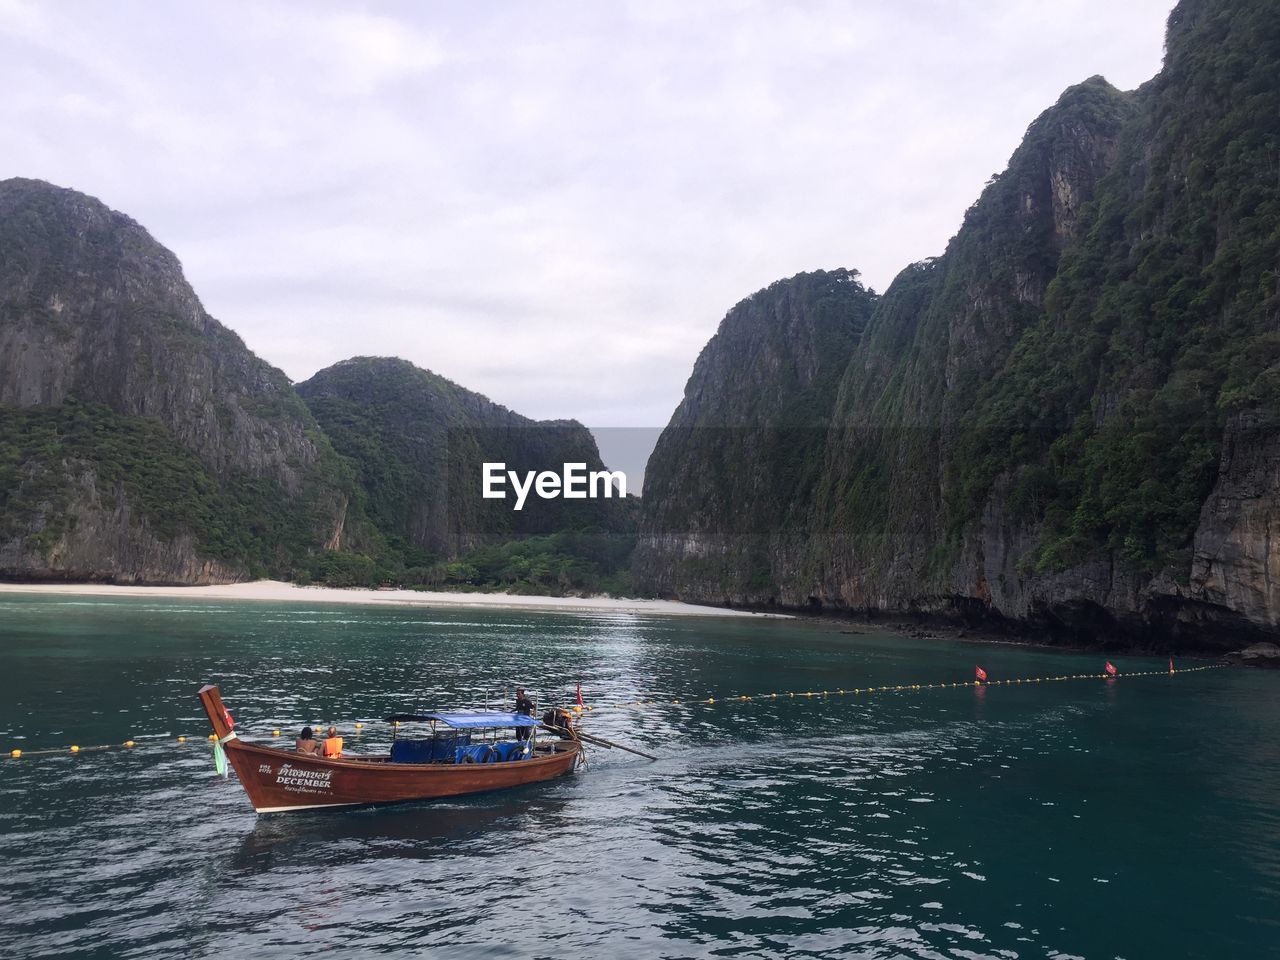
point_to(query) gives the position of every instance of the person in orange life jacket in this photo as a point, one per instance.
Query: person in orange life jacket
(307, 743)
(333, 744)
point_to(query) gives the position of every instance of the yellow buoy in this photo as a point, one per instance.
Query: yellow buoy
(74, 748)
(711, 699)
(182, 739)
(129, 743)
(15, 754)
(359, 726)
(275, 733)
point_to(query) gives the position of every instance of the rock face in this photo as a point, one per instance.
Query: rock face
(1067, 419)
(1259, 655)
(102, 336)
(759, 398)
(419, 442)
(1236, 561)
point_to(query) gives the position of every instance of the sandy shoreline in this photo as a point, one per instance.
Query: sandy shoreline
(275, 590)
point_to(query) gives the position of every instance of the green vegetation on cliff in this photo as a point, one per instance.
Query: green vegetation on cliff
(941, 332)
(1161, 319)
(53, 457)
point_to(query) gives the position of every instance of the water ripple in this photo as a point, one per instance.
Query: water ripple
(1060, 820)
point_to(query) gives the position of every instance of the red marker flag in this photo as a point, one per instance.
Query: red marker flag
(1171, 664)
(579, 693)
(980, 674)
(1111, 669)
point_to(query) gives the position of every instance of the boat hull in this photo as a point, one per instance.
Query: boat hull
(279, 781)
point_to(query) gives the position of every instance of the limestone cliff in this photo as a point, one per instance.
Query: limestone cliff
(728, 483)
(110, 368)
(1067, 418)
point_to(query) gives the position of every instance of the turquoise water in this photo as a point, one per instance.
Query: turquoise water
(1129, 819)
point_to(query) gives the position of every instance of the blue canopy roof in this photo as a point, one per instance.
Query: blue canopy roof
(472, 719)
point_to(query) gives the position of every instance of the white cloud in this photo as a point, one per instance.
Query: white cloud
(350, 53)
(553, 204)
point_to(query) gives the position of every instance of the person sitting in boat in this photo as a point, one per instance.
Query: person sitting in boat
(523, 706)
(306, 742)
(333, 744)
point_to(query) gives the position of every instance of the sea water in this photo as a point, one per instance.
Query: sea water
(1131, 818)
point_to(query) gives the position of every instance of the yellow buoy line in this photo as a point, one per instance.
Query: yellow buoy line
(152, 741)
(76, 749)
(891, 688)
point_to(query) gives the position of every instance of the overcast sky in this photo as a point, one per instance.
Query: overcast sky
(551, 203)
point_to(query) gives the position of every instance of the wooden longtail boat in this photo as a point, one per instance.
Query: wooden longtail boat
(279, 779)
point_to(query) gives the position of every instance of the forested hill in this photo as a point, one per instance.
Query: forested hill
(418, 443)
(1069, 418)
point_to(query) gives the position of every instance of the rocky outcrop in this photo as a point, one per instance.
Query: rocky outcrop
(92, 307)
(1258, 655)
(729, 480)
(96, 316)
(1236, 563)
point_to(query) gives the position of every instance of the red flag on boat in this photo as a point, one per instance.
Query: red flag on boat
(1111, 669)
(980, 674)
(579, 693)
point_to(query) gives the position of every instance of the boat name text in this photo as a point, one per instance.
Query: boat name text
(294, 777)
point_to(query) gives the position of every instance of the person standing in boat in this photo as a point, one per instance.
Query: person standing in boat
(333, 744)
(523, 706)
(307, 743)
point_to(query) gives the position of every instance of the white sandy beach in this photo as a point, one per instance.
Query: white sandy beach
(279, 591)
